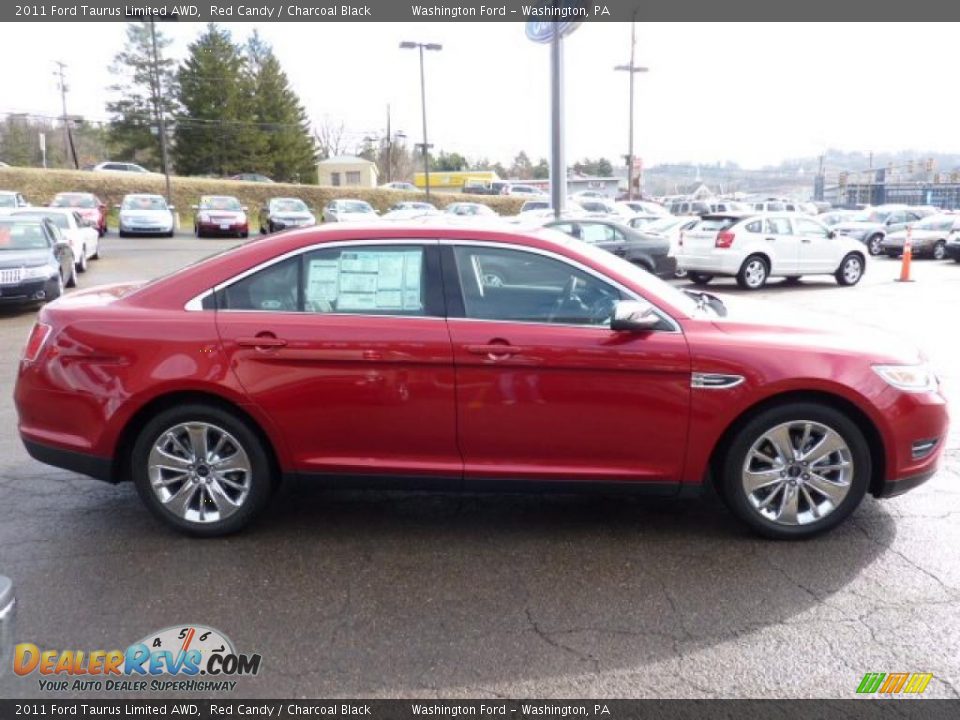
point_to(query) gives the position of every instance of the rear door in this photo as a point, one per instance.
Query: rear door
(782, 245)
(346, 349)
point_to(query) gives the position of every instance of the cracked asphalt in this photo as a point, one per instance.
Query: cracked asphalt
(384, 595)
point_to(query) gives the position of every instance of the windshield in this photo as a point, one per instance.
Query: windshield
(144, 203)
(357, 206)
(8, 201)
(219, 203)
(289, 205)
(74, 201)
(22, 236)
(59, 219)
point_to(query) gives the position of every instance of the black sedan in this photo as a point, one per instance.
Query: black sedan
(35, 261)
(645, 251)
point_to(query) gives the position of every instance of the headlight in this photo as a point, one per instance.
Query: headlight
(39, 272)
(909, 378)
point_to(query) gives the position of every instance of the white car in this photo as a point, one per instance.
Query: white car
(404, 186)
(110, 166)
(349, 211)
(526, 190)
(753, 248)
(11, 200)
(410, 209)
(469, 209)
(629, 208)
(84, 239)
(145, 215)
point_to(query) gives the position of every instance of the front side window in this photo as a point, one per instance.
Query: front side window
(810, 228)
(518, 286)
(597, 233)
(366, 280)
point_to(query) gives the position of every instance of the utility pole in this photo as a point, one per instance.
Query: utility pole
(389, 146)
(67, 145)
(407, 45)
(158, 105)
(633, 69)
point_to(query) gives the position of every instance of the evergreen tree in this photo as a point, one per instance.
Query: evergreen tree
(215, 133)
(286, 148)
(136, 110)
(541, 171)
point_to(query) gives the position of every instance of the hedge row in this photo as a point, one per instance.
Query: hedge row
(39, 186)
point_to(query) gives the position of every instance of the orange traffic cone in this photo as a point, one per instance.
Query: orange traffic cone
(907, 257)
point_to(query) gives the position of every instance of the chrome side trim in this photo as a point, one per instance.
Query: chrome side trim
(715, 381)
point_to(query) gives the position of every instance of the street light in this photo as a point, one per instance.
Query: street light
(633, 69)
(407, 45)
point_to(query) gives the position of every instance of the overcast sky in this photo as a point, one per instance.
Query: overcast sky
(754, 93)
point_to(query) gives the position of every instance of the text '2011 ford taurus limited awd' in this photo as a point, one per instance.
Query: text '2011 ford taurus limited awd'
(356, 352)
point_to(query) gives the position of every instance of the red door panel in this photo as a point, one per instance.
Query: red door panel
(556, 401)
(351, 394)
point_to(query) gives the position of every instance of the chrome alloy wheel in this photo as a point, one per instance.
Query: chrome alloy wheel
(199, 472)
(755, 273)
(797, 473)
(852, 269)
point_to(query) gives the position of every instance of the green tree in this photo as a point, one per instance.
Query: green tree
(541, 171)
(522, 168)
(216, 132)
(286, 148)
(143, 91)
(449, 162)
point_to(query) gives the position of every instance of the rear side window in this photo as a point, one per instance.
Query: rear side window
(716, 224)
(755, 227)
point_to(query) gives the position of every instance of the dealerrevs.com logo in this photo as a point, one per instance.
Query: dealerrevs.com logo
(183, 658)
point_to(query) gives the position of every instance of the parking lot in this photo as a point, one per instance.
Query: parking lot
(380, 594)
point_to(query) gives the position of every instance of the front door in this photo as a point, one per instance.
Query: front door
(819, 253)
(545, 390)
(347, 351)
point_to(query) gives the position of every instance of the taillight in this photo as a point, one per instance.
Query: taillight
(38, 336)
(724, 239)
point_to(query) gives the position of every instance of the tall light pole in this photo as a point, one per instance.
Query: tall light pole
(407, 45)
(68, 149)
(158, 103)
(633, 69)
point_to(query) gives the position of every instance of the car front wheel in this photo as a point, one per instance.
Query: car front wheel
(874, 246)
(796, 470)
(939, 250)
(850, 270)
(201, 470)
(81, 264)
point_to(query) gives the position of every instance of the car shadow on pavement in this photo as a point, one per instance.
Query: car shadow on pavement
(385, 593)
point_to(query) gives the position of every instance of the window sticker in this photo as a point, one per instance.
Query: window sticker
(360, 281)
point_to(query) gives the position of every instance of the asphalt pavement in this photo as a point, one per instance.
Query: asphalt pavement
(381, 594)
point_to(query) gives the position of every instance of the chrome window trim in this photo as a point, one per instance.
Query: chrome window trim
(195, 304)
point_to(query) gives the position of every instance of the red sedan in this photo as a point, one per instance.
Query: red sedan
(220, 215)
(91, 208)
(354, 354)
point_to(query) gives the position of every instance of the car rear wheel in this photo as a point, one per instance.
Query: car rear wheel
(81, 264)
(201, 470)
(699, 278)
(753, 273)
(939, 250)
(873, 244)
(796, 470)
(71, 282)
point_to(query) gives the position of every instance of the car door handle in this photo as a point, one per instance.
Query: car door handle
(262, 342)
(493, 349)
(805, 240)
(773, 239)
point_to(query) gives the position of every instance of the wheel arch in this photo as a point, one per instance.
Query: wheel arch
(872, 434)
(120, 469)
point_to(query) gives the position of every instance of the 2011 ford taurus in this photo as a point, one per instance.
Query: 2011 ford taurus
(355, 353)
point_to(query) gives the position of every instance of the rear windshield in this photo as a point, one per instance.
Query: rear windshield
(716, 224)
(75, 201)
(356, 207)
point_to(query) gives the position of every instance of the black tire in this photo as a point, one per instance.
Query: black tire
(96, 255)
(792, 280)
(171, 233)
(753, 273)
(893, 254)
(71, 282)
(261, 476)
(262, 231)
(197, 233)
(873, 244)
(699, 278)
(245, 234)
(731, 483)
(939, 251)
(850, 271)
(121, 233)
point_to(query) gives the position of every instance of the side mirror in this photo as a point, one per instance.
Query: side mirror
(633, 316)
(171, 207)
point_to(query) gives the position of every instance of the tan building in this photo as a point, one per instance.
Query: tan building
(347, 171)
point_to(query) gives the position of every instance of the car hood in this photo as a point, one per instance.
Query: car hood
(857, 226)
(771, 323)
(19, 258)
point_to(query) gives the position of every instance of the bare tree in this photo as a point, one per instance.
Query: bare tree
(330, 137)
